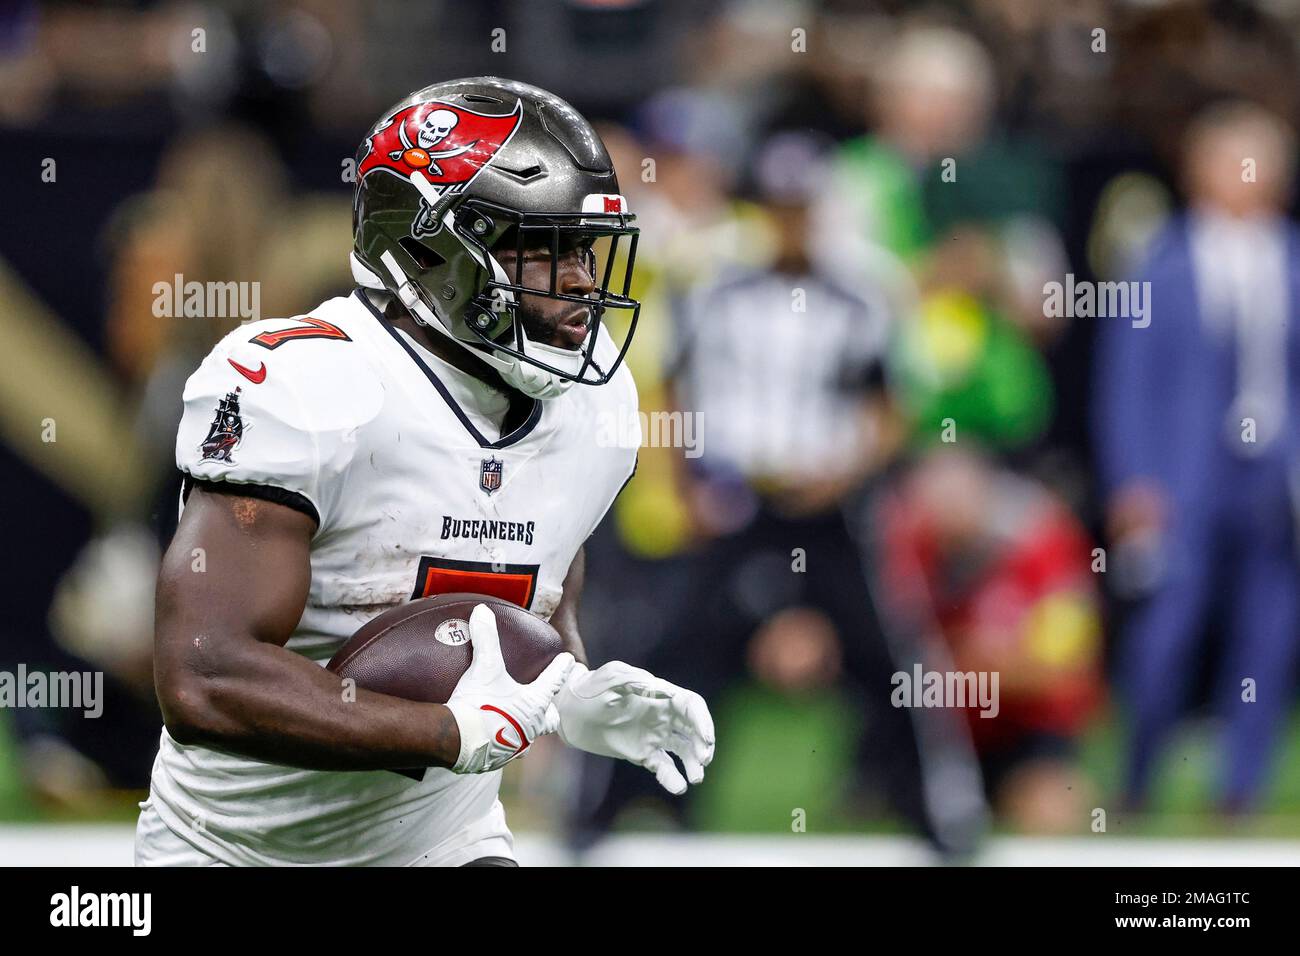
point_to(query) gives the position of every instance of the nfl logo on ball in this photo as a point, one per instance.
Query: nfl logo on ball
(489, 476)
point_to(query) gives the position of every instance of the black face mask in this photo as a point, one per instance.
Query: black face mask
(507, 309)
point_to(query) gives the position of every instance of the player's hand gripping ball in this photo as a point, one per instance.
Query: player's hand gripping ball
(495, 665)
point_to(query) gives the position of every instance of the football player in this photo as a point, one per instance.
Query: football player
(441, 429)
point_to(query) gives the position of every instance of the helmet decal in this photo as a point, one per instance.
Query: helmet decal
(446, 145)
(553, 195)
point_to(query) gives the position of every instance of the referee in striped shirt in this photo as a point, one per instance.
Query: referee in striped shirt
(782, 366)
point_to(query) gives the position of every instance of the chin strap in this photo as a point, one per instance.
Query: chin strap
(362, 274)
(407, 293)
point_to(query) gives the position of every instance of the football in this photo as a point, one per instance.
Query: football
(418, 651)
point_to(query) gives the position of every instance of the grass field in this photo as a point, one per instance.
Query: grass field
(744, 798)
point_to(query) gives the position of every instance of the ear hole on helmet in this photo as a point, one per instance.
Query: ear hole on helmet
(424, 257)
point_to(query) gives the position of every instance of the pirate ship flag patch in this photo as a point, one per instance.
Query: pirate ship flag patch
(225, 432)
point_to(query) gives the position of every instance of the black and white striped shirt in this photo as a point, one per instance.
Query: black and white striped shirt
(779, 388)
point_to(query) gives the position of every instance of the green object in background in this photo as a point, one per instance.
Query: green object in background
(960, 360)
(883, 194)
(997, 180)
(777, 753)
(781, 753)
(1185, 783)
(903, 208)
(14, 804)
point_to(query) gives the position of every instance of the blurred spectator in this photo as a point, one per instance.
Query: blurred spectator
(780, 368)
(972, 213)
(221, 211)
(1198, 429)
(1001, 570)
(676, 165)
(218, 211)
(931, 158)
(782, 363)
(685, 182)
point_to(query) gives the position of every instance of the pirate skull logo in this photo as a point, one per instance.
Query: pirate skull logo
(437, 126)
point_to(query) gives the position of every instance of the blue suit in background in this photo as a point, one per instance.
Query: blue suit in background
(1163, 415)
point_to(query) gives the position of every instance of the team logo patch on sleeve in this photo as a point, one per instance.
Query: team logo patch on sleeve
(489, 474)
(225, 432)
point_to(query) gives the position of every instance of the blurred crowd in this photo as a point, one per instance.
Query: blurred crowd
(882, 450)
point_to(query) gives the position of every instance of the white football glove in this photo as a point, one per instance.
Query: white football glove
(498, 717)
(622, 711)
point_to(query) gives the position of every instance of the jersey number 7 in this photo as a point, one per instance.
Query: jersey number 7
(309, 329)
(515, 583)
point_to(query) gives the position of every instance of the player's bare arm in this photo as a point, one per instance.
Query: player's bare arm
(565, 617)
(223, 676)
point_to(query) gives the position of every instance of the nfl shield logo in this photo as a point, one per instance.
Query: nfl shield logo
(489, 475)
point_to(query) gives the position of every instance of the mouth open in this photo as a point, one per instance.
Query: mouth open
(571, 331)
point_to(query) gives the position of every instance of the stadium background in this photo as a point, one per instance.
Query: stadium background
(229, 163)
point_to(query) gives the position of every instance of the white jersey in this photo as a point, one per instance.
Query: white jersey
(339, 415)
